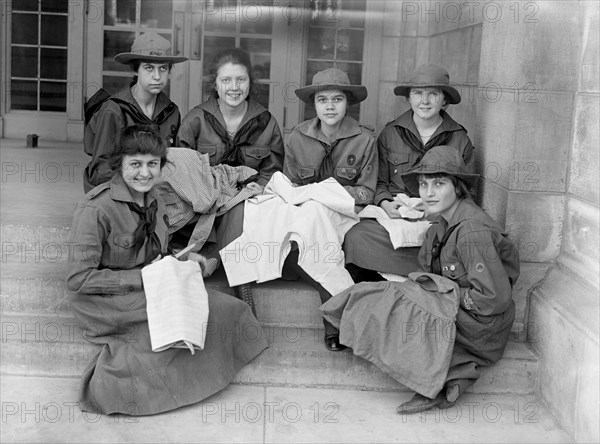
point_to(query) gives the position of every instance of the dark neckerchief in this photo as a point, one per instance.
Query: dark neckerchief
(409, 138)
(246, 135)
(326, 168)
(435, 265)
(145, 231)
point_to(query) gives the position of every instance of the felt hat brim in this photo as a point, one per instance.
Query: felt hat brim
(451, 92)
(357, 93)
(127, 57)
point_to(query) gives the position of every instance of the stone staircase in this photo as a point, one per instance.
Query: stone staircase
(40, 337)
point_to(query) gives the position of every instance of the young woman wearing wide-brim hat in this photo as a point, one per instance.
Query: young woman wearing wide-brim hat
(333, 144)
(461, 323)
(142, 102)
(401, 145)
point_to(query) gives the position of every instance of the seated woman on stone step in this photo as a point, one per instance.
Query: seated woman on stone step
(118, 228)
(332, 144)
(401, 145)
(234, 129)
(479, 266)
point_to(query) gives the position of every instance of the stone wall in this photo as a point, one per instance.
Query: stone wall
(537, 126)
(418, 32)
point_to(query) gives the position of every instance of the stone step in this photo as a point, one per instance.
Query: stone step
(39, 287)
(51, 345)
(42, 410)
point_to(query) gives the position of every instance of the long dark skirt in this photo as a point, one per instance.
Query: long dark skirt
(368, 246)
(126, 376)
(419, 336)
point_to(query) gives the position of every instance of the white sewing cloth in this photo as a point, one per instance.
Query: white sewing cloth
(403, 232)
(316, 216)
(176, 304)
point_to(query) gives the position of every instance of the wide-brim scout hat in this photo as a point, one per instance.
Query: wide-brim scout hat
(149, 47)
(442, 159)
(430, 76)
(332, 78)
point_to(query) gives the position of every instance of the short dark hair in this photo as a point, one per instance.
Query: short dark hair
(235, 56)
(460, 187)
(137, 139)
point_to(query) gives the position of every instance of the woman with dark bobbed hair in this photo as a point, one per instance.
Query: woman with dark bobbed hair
(118, 228)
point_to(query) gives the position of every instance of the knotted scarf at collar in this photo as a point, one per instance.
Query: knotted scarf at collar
(409, 138)
(326, 168)
(435, 266)
(246, 135)
(145, 231)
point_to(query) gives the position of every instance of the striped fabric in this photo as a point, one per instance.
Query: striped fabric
(194, 190)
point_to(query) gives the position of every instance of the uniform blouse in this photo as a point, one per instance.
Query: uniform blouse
(262, 151)
(353, 154)
(400, 148)
(478, 256)
(103, 257)
(110, 119)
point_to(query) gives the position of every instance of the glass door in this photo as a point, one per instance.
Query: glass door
(259, 28)
(116, 24)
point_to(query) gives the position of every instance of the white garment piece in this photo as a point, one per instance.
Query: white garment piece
(412, 207)
(176, 304)
(403, 233)
(316, 216)
(393, 277)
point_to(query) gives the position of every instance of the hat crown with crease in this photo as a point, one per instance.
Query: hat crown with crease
(330, 79)
(441, 159)
(151, 47)
(433, 76)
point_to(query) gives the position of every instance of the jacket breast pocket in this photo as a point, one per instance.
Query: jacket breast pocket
(397, 163)
(255, 155)
(123, 253)
(306, 174)
(347, 173)
(124, 240)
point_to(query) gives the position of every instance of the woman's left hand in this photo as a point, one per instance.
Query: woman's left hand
(255, 188)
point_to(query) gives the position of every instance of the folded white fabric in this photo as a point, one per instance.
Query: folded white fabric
(315, 216)
(403, 233)
(412, 207)
(176, 304)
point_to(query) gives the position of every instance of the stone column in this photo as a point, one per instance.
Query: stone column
(538, 131)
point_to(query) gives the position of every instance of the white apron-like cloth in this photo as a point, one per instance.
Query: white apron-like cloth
(315, 216)
(176, 304)
(403, 232)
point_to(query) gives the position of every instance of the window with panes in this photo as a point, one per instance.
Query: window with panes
(336, 34)
(38, 55)
(124, 20)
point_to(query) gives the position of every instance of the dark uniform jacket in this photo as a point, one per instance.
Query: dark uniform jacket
(478, 256)
(353, 154)
(400, 149)
(261, 147)
(110, 118)
(104, 258)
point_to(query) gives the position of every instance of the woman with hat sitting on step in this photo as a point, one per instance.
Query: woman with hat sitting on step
(232, 128)
(467, 246)
(401, 145)
(142, 102)
(118, 228)
(333, 144)
(435, 330)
